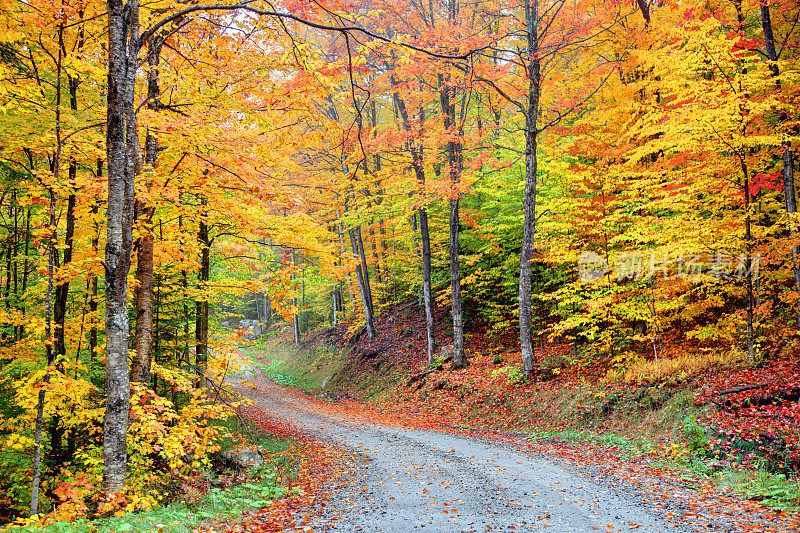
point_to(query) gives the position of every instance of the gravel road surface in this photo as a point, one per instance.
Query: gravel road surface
(424, 480)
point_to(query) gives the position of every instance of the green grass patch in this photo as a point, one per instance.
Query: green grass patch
(628, 447)
(240, 432)
(309, 369)
(776, 491)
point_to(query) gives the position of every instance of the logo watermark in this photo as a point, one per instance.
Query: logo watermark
(694, 267)
(591, 266)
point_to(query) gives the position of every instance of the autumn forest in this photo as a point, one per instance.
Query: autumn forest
(609, 181)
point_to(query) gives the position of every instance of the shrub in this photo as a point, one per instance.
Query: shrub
(513, 374)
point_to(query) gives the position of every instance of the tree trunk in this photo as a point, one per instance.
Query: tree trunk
(295, 321)
(526, 336)
(335, 301)
(379, 281)
(201, 304)
(453, 150)
(143, 338)
(769, 40)
(362, 276)
(384, 254)
(14, 246)
(20, 331)
(791, 209)
(62, 288)
(303, 306)
(157, 312)
(48, 329)
(342, 248)
(9, 262)
(184, 294)
(788, 159)
(16, 254)
(48, 301)
(427, 295)
(123, 35)
(365, 271)
(459, 360)
(748, 265)
(419, 171)
(363, 284)
(95, 289)
(57, 451)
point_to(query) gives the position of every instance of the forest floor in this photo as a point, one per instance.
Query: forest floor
(394, 470)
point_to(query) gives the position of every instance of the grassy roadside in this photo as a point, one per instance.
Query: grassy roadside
(310, 370)
(656, 422)
(191, 507)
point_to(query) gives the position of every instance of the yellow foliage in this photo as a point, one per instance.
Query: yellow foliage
(673, 369)
(166, 445)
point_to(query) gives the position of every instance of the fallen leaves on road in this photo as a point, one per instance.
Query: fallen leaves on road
(321, 467)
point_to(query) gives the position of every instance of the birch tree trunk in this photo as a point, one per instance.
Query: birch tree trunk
(526, 336)
(123, 29)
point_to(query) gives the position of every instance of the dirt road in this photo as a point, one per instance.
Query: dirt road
(426, 480)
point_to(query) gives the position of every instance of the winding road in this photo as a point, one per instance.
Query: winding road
(408, 479)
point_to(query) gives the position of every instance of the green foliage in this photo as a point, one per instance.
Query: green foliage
(629, 447)
(512, 373)
(695, 436)
(181, 516)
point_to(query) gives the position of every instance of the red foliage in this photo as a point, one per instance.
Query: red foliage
(765, 182)
(768, 417)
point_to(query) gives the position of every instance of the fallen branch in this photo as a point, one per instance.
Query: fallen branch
(219, 389)
(743, 388)
(404, 306)
(420, 376)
